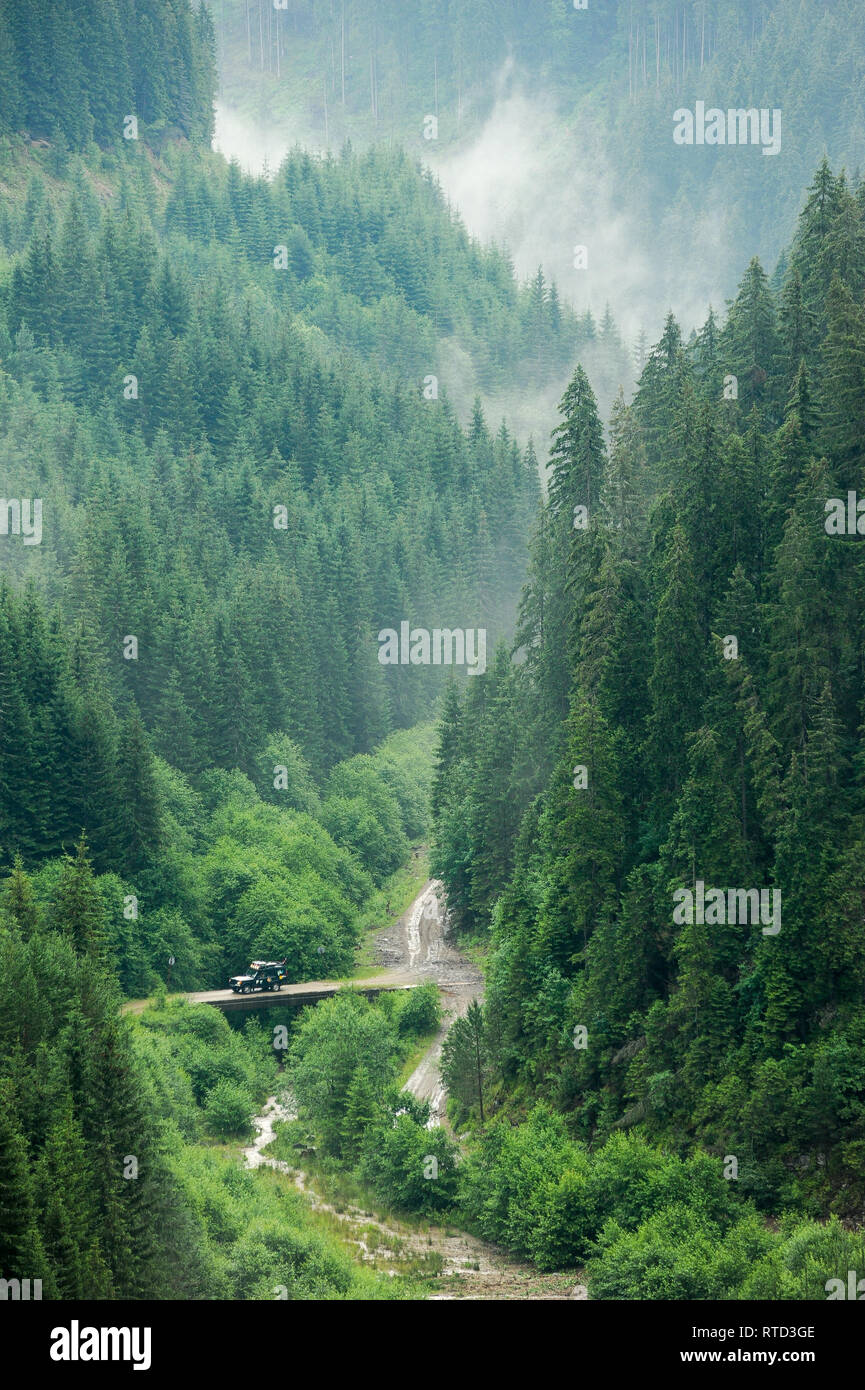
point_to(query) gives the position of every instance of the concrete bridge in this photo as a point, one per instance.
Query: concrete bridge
(309, 992)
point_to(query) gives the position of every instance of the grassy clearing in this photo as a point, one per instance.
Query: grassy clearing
(476, 950)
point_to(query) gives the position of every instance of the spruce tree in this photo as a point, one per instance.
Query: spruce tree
(78, 912)
(21, 1253)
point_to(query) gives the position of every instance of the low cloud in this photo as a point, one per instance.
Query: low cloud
(533, 184)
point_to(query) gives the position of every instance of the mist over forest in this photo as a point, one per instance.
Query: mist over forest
(548, 137)
(432, 659)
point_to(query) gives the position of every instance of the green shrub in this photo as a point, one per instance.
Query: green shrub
(420, 1011)
(801, 1262)
(228, 1110)
(332, 1041)
(542, 1194)
(678, 1253)
(409, 1166)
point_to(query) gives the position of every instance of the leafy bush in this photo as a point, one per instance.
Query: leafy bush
(332, 1041)
(296, 790)
(804, 1259)
(542, 1194)
(678, 1253)
(409, 1166)
(228, 1110)
(420, 1010)
(507, 1186)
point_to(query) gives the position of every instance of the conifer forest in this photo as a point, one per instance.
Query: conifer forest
(432, 665)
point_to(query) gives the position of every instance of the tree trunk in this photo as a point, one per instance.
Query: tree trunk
(658, 51)
(744, 786)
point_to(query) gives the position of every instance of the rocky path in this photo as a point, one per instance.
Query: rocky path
(418, 947)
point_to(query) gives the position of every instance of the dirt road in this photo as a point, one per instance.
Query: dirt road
(417, 948)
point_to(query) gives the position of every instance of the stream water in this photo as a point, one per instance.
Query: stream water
(466, 1267)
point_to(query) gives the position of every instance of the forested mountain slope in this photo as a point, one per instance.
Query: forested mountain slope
(686, 708)
(231, 469)
(206, 381)
(225, 468)
(229, 465)
(564, 116)
(76, 72)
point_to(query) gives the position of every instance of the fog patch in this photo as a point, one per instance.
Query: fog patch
(539, 184)
(541, 187)
(256, 144)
